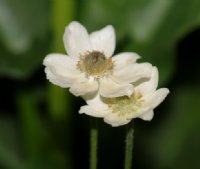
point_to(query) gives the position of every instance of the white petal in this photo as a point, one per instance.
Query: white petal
(109, 88)
(157, 97)
(147, 116)
(123, 59)
(133, 72)
(61, 70)
(150, 85)
(84, 87)
(96, 107)
(94, 99)
(104, 40)
(114, 120)
(56, 79)
(62, 63)
(94, 110)
(76, 39)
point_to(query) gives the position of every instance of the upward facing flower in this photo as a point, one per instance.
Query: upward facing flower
(89, 67)
(121, 110)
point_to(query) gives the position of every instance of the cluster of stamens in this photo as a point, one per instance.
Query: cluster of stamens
(95, 64)
(125, 105)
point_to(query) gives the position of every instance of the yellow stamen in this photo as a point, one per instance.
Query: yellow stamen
(125, 105)
(95, 64)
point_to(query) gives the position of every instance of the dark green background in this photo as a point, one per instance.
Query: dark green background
(39, 123)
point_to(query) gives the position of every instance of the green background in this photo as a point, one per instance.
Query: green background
(39, 123)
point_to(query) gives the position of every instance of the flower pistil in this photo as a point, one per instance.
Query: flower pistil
(95, 64)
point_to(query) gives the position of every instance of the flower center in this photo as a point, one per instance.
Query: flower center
(125, 106)
(95, 64)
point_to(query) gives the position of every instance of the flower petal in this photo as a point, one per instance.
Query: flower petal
(150, 85)
(133, 72)
(94, 99)
(94, 110)
(104, 40)
(61, 70)
(109, 88)
(76, 39)
(84, 87)
(157, 97)
(147, 116)
(114, 120)
(96, 107)
(123, 59)
(56, 79)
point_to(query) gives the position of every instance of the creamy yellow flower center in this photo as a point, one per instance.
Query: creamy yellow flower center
(125, 106)
(95, 64)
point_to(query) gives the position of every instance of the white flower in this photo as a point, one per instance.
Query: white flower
(121, 110)
(89, 67)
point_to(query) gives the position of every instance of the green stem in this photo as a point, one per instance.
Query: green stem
(62, 12)
(129, 147)
(93, 147)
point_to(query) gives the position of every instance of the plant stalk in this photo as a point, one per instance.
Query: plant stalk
(129, 147)
(93, 147)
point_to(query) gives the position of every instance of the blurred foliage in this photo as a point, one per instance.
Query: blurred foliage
(23, 29)
(175, 143)
(39, 123)
(19, 26)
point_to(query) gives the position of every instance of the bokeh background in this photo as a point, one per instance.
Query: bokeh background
(39, 123)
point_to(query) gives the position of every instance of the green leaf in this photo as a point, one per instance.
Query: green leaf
(152, 27)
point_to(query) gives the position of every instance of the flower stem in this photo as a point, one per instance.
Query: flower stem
(129, 147)
(93, 146)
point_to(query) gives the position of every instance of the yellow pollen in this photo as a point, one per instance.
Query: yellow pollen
(95, 64)
(124, 106)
